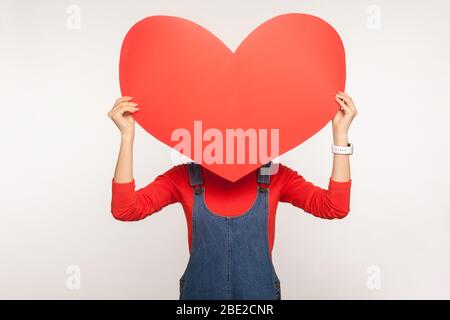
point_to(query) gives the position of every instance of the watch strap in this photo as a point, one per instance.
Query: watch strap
(342, 150)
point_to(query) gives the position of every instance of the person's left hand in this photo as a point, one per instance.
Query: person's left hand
(344, 116)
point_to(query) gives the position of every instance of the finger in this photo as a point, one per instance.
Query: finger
(120, 100)
(120, 111)
(346, 99)
(124, 98)
(347, 95)
(351, 104)
(347, 110)
(344, 107)
(341, 103)
(124, 109)
(344, 94)
(123, 104)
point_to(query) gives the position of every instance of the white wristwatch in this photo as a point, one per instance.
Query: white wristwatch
(342, 150)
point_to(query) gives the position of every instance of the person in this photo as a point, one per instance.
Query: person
(231, 225)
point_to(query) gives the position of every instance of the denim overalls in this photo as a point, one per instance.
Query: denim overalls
(230, 258)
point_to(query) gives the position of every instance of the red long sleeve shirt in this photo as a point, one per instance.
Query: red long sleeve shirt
(229, 198)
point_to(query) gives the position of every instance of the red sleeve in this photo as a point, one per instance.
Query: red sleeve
(330, 203)
(128, 204)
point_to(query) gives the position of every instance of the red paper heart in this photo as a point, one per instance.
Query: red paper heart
(282, 76)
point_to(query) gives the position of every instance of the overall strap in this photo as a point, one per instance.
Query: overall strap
(264, 176)
(195, 177)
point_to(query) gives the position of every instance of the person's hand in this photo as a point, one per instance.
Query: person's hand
(121, 115)
(344, 116)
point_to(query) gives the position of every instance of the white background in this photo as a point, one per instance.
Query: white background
(58, 152)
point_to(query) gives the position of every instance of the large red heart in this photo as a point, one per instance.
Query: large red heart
(282, 76)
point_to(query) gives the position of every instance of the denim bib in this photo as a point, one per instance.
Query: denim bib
(230, 258)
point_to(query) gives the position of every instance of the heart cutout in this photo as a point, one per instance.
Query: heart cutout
(282, 78)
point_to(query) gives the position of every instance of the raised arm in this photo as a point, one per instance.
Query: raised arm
(128, 204)
(341, 124)
(120, 114)
(334, 202)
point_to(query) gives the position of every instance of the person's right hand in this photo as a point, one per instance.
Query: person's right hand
(121, 115)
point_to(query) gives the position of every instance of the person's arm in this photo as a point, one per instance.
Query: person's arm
(331, 203)
(120, 114)
(341, 124)
(334, 202)
(128, 204)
